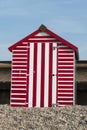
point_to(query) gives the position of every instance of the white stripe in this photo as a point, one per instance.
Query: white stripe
(18, 84)
(54, 69)
(65, 88)
(17, 103)
(65, 93)
(62, 46)
(18, 98)
(46, 75)
(65, 61)
(66, 73)
(64, 81)
(19, 50)
(64, 101)
(64, 84)
(65, 77)
(42, 39)
(18, 81)
(38, 75)
(65, 50)
(24, 42)
(19, 61)
(18, 89)
(18, 93)
(60, 105)
(42, 34)
(64, 53)
(64, 69)
(64, 97)
(19, 54)
(23, 47)
(18, 73)
(59, 57)
(66, 65)
(31, 76)
(23, 58)
(20, 65)
(19, 69)
(19, 77)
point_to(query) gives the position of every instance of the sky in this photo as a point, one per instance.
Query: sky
(19, 18)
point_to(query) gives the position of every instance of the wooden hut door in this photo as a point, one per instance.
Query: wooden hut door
(42, 74)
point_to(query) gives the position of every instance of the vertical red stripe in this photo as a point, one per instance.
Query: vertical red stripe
(50, 75)
(35, 74)
(42, 74)
(27, 88)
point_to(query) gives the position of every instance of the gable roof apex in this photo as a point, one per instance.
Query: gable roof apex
(42, 28)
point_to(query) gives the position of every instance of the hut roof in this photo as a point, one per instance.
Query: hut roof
(43, 28)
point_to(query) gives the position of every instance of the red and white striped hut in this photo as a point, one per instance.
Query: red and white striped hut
(43, 70)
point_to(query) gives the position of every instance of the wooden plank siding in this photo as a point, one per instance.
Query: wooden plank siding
(65, 78)
(19, 84)
(37, 95)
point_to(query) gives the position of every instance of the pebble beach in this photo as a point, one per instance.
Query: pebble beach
(54, 118)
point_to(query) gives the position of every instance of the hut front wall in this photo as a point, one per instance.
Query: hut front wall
(42, 73)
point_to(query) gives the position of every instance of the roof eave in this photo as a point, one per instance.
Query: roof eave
(24, 39)
(65, 42)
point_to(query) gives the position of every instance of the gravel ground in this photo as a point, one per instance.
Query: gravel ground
(55, 118)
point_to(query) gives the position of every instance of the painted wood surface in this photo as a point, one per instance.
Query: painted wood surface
(43, 72)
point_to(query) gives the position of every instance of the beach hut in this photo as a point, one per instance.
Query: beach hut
(43, 70)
